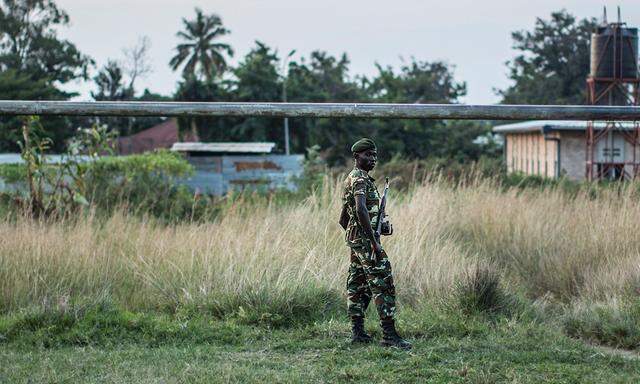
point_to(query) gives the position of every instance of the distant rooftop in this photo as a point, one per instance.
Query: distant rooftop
(224, 147)
(555, 125)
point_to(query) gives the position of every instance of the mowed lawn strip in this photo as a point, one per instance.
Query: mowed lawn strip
(509, 352)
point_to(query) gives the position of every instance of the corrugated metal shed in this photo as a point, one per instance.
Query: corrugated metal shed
(220, 174)
(223, 167)
(224, 147)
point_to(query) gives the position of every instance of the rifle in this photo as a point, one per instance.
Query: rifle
(385, 229)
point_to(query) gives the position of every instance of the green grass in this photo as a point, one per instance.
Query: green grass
(321, 353)
(105, 344)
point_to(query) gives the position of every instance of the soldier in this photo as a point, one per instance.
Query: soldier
(370, 269)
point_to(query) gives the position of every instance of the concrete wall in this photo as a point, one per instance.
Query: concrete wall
(573, 146)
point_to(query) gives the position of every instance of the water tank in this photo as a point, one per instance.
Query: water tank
(614, 52)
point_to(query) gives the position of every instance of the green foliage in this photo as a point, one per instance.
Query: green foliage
(34, 61)
(192, 89)
(417, 82)
(616, 325)
(13, 173)
(553, 63)
(16, 85)
(144, 184)
(30, 45)
(406, 174)
(58, 190)
(257, 79)
(168, 163)
(325, 78)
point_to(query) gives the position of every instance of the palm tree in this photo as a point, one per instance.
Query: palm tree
(201, 56)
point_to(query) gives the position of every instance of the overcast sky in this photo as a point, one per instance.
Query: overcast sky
(472, 35)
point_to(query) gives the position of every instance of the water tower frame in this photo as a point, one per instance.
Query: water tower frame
(609, 91)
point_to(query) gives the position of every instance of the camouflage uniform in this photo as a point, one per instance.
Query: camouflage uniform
(368, 277)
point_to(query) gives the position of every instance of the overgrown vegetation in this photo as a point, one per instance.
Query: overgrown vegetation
(475, 248)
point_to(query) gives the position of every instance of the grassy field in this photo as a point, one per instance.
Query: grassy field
(494, 285)
(320, 353)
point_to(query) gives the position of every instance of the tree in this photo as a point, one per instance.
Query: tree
(111, 87)
(116, 82)
(553, 64)
(257, 79)
(200, 54)
(29, 43)
(34, 62)
(324, 79)
(17, 86)
(194, 89)
(137, 61)
(111, 84)
(418, 82)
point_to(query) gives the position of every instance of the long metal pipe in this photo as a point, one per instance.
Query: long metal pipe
(331, 110)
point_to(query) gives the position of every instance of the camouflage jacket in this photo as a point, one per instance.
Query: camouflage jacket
(358, 182)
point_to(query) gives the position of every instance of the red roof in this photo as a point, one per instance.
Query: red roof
(162, 135)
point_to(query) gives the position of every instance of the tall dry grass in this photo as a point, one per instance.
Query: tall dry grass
(291, 259)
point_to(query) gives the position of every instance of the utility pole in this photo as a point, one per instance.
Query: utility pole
(285, 76)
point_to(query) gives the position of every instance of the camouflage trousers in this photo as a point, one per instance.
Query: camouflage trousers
(370, 278)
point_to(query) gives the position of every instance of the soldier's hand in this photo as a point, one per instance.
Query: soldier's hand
(377, 250)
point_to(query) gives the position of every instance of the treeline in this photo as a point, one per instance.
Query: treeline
(35, 63)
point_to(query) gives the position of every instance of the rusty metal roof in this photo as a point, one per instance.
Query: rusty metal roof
(556, 125)
(224, 147)
(162, 135)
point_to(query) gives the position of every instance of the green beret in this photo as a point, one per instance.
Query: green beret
(363, 145)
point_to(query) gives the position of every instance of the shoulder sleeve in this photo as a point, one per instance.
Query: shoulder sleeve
(358, 184)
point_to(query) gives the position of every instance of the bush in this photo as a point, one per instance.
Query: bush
(480, 291)
(143, 184)
(13, 173)
(407, 173)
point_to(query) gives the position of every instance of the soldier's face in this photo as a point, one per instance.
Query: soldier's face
(366, 160)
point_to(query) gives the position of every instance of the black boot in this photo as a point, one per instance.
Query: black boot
(358, 335)
(390, 337)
